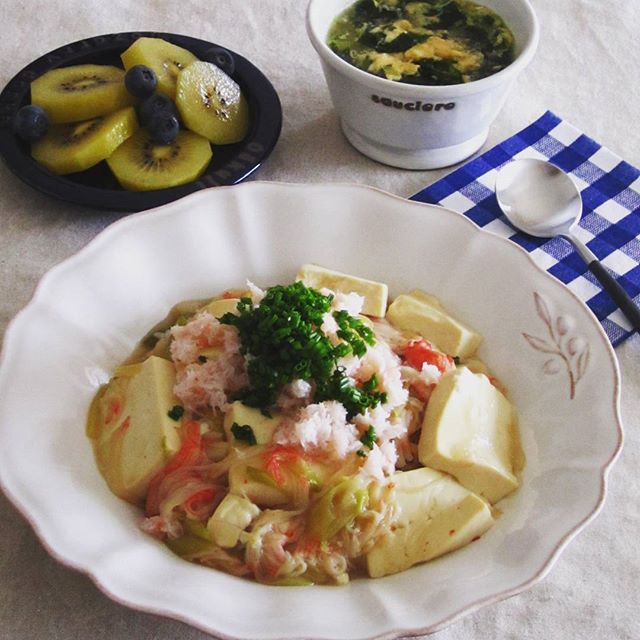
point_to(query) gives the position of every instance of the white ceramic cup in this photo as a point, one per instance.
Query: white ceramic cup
(415, 126)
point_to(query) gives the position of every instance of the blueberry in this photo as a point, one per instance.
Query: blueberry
(140, 81)
(221, 58)
(163, 128)
(154, 105)
(31, 122)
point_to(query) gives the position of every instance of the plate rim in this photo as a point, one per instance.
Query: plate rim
(391, 634)
(256, 147)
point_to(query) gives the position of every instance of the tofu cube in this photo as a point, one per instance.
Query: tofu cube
(261, 425)
(469, 431)
(435, 515)
(375, 294)
(217, 308)
(134, 436)
(422, 314)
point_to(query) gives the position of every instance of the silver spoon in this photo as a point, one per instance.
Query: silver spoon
(543, 201)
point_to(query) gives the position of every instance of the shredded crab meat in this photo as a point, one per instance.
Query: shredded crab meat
(207, 385)
(381, 361)
(380, 461)
(352, 303)
(330, 327)
(203, 383)
(430, 374)
(294, 395)
(322, 426)
(411, 416)
(202, 332)
(265, 551)
(387, 425)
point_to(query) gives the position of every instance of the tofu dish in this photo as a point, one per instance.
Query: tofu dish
(309, 433)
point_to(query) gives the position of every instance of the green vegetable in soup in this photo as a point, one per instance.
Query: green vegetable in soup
(431, 42)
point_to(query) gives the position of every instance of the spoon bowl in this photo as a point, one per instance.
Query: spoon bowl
(538, 198)
(541, 200)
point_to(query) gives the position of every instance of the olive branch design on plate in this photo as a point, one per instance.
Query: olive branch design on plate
(566, 350)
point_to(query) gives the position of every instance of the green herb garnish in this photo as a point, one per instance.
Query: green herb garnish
(355, 400)
(243, 432)
(354, 332)
(368, 438)
(176, 412)
(371, 384)
(284, 341)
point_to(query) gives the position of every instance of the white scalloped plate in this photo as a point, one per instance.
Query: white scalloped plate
(88, 312)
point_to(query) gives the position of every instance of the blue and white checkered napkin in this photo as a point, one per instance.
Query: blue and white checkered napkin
(610, 224)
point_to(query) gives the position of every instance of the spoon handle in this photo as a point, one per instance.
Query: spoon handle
(619, 295)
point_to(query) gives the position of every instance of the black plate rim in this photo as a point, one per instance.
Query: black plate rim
(248, 156)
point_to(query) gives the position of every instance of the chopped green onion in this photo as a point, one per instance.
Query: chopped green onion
(368, 438)
(371, 384)
(176, 412)
(285, 342)
(244, 433)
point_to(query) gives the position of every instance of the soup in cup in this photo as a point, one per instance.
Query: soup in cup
(417, 126)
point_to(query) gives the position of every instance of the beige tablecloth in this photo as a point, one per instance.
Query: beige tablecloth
(586, 70)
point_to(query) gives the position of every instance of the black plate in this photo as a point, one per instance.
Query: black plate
(97, 187)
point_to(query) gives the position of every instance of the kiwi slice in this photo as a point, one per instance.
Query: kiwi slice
(140, 164)
(211, 103)
(67, 148)
(81, 92)
(166, 60)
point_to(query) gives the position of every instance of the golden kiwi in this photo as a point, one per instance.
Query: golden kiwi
(166, 60)
(80, 92)
(211, 103)
(67, 148)
(140, 164)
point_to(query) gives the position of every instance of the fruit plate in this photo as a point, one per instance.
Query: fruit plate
(97, 187)
(88, 312)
